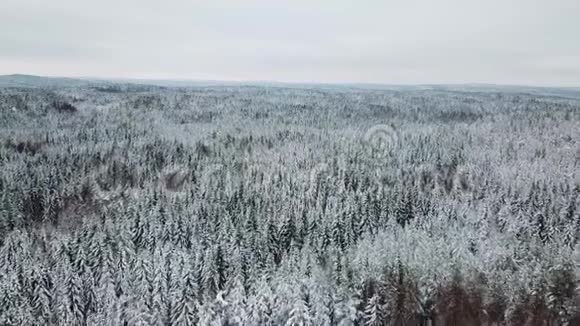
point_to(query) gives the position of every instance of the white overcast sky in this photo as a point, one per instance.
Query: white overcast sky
(532, 42)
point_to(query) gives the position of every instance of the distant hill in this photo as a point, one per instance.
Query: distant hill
(567, 92)
(30, 81)
(570, 92)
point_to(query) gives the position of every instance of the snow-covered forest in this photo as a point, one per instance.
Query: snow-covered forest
(247, 205)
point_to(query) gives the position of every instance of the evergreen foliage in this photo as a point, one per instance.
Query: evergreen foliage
(278, 206)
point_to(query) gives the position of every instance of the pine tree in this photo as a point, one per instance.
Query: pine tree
(90, 303)
(261, 304)
(338, 234)
(42, 300)
(299, 314)
(75, 299)
(374, 314)
(221, 269)
(288, 232)
(405, 209)
(185, 310)
(274, 242)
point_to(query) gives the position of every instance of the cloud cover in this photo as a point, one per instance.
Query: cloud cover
(533, 42)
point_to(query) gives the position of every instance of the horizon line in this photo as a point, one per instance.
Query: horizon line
(316, 83)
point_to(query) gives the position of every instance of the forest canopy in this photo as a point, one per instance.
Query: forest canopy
(287, 206)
